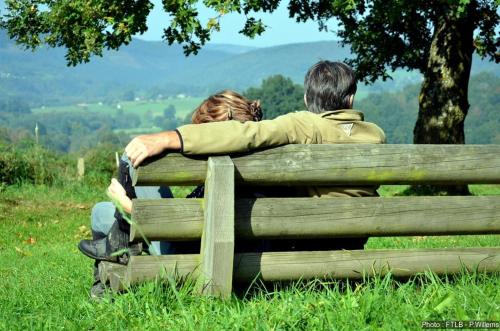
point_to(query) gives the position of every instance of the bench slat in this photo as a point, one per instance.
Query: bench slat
(182, 219)
(353, 264)
(341, 164)
(275, 266)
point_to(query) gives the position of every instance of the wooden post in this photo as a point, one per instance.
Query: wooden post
(36, 133)
(118, 280)
(81, 168)
(217, 241)
(107, 268)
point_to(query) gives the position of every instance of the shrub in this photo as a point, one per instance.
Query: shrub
(13, 168)
(100, 163)
(31, 164)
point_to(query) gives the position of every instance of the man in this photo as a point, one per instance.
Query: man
(329, 95)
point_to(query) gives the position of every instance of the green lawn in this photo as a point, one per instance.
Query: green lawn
(44, 282)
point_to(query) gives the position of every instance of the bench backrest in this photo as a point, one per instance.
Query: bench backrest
(219, 218)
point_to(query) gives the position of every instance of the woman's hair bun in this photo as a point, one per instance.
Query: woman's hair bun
(256, 110)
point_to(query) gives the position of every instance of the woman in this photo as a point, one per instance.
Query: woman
(111, 231)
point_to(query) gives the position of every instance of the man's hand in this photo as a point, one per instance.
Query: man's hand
(142, 147)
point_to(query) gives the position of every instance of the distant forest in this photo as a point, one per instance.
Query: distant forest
(395, 112)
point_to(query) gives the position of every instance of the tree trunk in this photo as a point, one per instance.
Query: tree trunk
(443, 102)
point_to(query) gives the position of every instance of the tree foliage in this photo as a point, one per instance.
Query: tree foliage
(167, 121)
(14, 105)
(84, 27)
(396, 112)
(69, 131)
(76, 130)
(278, 96)
(386, 35)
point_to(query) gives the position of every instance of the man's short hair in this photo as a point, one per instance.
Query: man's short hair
(328, 86)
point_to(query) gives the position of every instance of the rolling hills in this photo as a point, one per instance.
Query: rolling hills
(151, 68)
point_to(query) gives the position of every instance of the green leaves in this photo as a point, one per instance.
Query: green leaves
(84, 27)
(253, 27)
(185, 26)
(278, 96)
(187, 29)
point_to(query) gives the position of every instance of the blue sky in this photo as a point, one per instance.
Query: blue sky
(281, 29)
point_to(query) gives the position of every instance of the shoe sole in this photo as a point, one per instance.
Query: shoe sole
(97, 258)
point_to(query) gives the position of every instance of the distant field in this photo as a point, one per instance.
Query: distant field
(183, 107)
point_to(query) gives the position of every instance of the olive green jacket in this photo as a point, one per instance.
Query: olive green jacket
(333, 127)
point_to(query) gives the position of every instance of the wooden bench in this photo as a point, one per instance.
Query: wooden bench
(219, 219)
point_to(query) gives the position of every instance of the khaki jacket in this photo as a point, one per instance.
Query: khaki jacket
(303, 127)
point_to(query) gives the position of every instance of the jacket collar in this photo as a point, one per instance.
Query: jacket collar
(343, 115)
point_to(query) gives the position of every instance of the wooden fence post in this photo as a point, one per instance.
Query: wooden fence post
(217, 242)
(36, 133)
(81, 168)
(117, 159)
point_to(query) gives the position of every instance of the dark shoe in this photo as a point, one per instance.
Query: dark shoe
(109, 248)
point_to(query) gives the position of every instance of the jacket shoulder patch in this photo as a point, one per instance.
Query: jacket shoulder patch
(347, 127)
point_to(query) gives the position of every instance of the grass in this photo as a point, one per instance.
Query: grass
(44, 282)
